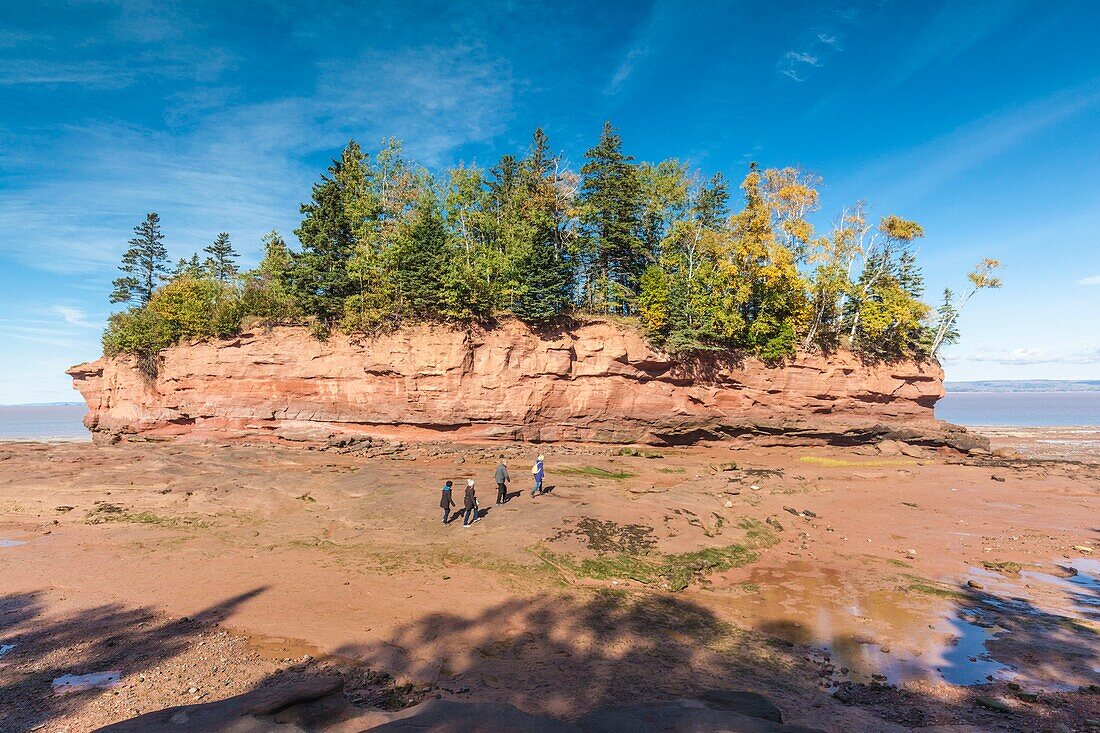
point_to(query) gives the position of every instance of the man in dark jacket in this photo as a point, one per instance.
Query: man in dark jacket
(469, 504)
(446, 501)
(502, 479)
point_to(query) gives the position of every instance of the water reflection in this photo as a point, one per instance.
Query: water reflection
(999, 628)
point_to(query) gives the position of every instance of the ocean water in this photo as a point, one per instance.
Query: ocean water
(1022, 409)
(43, 422)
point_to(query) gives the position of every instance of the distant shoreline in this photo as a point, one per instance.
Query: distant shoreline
(1023, 386)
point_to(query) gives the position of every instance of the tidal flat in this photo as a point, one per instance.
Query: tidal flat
(856, 590)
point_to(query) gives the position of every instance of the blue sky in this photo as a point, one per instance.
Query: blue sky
(978, 118)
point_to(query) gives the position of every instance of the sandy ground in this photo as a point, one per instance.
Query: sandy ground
(858, 591)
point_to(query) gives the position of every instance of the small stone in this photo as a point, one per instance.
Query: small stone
(992, 703)
(460, 459)
(998, 478)
(974, 584)
(728, 504)
(1085, 549)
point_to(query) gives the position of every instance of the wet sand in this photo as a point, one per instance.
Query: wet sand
(858, 591)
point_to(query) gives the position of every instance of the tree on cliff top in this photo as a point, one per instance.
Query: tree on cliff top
(329, 233)
(611, 217)
(220, 259)
(145, 264)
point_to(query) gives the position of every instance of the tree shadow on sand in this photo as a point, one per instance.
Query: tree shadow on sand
(1019, 667)
(111, 637)
(566, 653)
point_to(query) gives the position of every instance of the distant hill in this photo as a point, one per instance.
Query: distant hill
(1026, 385)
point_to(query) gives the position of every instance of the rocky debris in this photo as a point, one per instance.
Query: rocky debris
(318, 705)
(597, 382)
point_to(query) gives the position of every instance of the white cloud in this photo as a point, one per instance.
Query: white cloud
(651, 34)
(803, 58)
(1036, 356)
(941, 159)
(75, 317)
(828, 39)
(242, 169)
(1094, 280)
(955, 29)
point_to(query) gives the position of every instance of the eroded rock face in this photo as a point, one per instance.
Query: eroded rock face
(597, 382)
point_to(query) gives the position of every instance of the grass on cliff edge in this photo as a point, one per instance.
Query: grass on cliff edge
(674, 572)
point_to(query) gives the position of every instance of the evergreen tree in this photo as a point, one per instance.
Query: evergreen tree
(329, 233)
(276, 261)
(220, 259)
(611, 197)
(909, 275)
(545, 283)
(188, 267)
(421, 261)
(145, 264)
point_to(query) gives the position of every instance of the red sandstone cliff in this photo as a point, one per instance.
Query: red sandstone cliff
(596, 382)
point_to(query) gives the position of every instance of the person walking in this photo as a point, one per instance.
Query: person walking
(502, 479)
(469, 504)
(446, 501)
(538, 473)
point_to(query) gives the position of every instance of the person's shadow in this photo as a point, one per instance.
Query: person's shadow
(547, 489)
(512, 495)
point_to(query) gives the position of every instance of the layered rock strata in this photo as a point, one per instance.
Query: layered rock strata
(596, 382)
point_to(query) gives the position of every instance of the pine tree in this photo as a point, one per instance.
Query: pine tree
(188, 268)
(611, 214)
(909, 275)
(220, 260)
(145, 264)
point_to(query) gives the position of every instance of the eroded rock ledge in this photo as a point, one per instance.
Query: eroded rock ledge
(597, 382)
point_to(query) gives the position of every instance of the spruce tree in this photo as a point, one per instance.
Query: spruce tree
(220, 259)
(145, 264)
(611, 197)
(187, 268)
(545, 280)
(328, 233)
(421, 260)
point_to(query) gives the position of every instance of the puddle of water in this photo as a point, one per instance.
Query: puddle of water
(1009, 628)
(5, 648)
(1082, 589)
(968, 661)
(82, 682)
(11, 543)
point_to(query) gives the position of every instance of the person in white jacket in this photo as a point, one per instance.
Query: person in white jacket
(538, 472)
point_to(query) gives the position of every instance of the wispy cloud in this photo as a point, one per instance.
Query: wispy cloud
(938, 161)
(1036, 356)
(653, 33)
(75, 317)
(23, 72)
(243, 169)
(956, 28)
(1094, 280)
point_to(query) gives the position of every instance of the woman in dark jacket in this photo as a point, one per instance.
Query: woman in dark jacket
(470, 504)
(446, 501)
